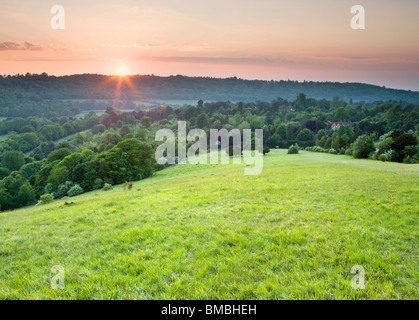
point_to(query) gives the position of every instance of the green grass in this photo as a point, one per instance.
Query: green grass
(210, 232)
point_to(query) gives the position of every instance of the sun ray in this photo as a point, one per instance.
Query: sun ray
(122, 81)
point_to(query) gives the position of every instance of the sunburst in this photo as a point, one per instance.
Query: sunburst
(122, 79)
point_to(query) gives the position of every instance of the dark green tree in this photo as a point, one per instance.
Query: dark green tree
(13, 160)
(363, 146)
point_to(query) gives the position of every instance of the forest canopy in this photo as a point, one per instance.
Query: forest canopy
(22, 95)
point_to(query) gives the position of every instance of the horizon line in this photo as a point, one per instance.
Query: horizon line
(210, 77)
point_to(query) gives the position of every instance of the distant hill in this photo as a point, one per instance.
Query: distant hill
(149, 87)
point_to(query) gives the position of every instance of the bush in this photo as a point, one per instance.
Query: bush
(62, 190)
(98, 184)
(373, 156)
(318, 149)
(382, 157)
(385, 145)
(74, 191)
(363, 146)
(410, 151)
(47, 198)
(107, 187)
(409, 160)
(294, 149)
(69, 184)
(333, 151)
(392, 155)
(49, 188)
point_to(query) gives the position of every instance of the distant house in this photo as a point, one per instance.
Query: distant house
(336, 125)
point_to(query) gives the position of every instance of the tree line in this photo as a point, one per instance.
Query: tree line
(119, 146)
(22, 95)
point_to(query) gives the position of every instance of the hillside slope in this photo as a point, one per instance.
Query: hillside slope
(210, 232)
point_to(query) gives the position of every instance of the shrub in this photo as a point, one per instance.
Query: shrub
(363, 146)
(107, 187)
(62, 190)
(373, 155)
(47, 198)
(385, 145)
(49, 188)
(333, 151)
(294, 149)
(98, 184)
(159, 167)
(74, 191)
(409, 160)
(69, 184)
(410, 151)
(392, 155)
(382, 157)
(318, 149)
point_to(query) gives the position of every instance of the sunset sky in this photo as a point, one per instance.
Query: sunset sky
(251, 39)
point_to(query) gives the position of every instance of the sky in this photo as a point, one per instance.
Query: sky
(252, 39)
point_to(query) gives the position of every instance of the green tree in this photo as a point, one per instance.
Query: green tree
(26, 195)
(31, 169)
(59, 174)
(130, 160)
(385, 145)
(301, 101)
(306, 137)
(292, 130)
(202, 121)
(363, 146)
(13, 160)
(146, 122)
(58, 155)
(125, 130)
(341, 114)
(4, 172)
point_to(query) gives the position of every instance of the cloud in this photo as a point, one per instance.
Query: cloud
(12, 46)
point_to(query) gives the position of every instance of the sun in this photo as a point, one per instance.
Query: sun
(122, 71)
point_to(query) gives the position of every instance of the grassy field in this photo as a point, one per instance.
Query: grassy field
(210, 232)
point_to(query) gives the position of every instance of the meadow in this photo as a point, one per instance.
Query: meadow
(210, 232)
